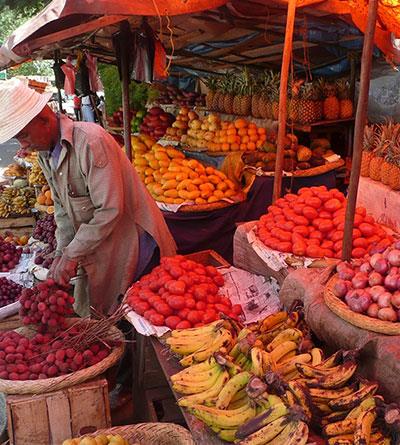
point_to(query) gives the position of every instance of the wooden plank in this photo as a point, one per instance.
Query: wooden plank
(59, 415)
(308, 128)
(208, 258)
(24, 221)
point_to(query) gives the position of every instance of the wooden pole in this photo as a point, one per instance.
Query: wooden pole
(124, 54)
(287, 54)
(60, 104)
(361, 117)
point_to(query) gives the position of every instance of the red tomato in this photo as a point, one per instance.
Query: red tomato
(177, 287)
(299, 248)
(298, 208)
(291, 197)
(182, 314)
(290, 216)
(172, 321)
(149, 313)
(332, 205)
(338, 246)
(226, 301)
(328, 253)
(237, 309)
(374, 239)
(327, 244)
(190, 303)
(383, 244)
(274, 209)
(212, 288)
(314, 251)
(281, 202)
(310, 213)
(223, 308)
(211, 271)
(157, 319)
(361, 211)
(358, 252)
(283, 235)
(313, 242)
(200, 292)
(302, 230)
(219, 280)
(297, 238)
(200, 270)
(325, 225)
(324, 214)
(360, 242)
(358, 219)
(300, 220)
(324, 196)
(176, 271)
(369, 219)
(305, 191)
(163, 309)
(208, 317)
(142, 307)
(340, 226)
(201, 306)
(184, 324)
(313, 202)
(367, 229)
(177, 302)
(284, 246)
(154, 300)
(356, 233)
(194, 317)
(316, 235)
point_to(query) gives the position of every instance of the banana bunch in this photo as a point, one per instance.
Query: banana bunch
(15, 170)
(199, 344)
(36, 176)
(18, 201)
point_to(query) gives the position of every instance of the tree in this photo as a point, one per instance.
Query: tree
(10, 20)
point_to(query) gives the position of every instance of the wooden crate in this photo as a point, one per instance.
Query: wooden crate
(49, 419)
(18, 226)
(208, 258)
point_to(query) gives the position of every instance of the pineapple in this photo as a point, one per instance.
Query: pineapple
(264, 104)
(245, 92)
(217, 95)
(308, 112)
(228, 93)
(331, 104)
(390, 173)
(211, 84)
(377, 168)
(368, 148)
(255, 99)
(346, 104)
(294, 99)
(275, 82)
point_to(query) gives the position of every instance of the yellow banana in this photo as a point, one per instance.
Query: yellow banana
(282, 349)
(289, 366)
(354, 399)
(235, 384)
(210, 394)
(238, 403)
(363, 429)
(325, 395)
(334, 417)
(290, 398)
(241, 359)
(273, 399)
(187, 345)
(315, 372)
(302, 396)
(299, 435)
(223, 419)
(270, 322)
(344, 439)
(332, 360)
(197, 387)
(267, 361)
(345, 426)
(286, 434)
(286, 357)
(290, 334)
(266, 433)
(336, 379)
(201, 331)
(194, 377)
(239, 395)
(227, 435)
(257, 361)
(317, 356)
(369, 402)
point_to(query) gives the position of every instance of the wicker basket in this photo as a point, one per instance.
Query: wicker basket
(74, 378)
(361, 321)
(315, 171)
(152, 433)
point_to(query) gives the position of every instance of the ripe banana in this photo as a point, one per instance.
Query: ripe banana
(354, 399)
(363, 429)
(302, 396)
(336, 379)
(286, 357)
(345, 439)
(282, 349)
(201, 331)
(238, 403)
(295, 433)
(316, 356)
(194, 369)
(289, 366)
(227, 435)
(273, 320)
(235, 384)
(367, 403)
(188, 387)
(188, 345)
(210, 394)
(257, 361)
(290, 334)
(345, 426)
(334, 417)
(326, 395)
(332, 361)
(194, 377)
(223, 419)
(267, 361)
(266, 433)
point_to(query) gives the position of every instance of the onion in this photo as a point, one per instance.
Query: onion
(395, 300)
(387, 314)
(373, 310)
(375, 291)
(391, 282)
(360, 281)
(366, 268)
(375, 279)
(396, 245)
(381, 266)
(342, 265)
(394, 271)
(374, 258)
(358, 300)
(340, 289)
(346, 274)
(384, 300)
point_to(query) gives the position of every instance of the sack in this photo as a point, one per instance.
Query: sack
(82, 81)
(59, 73)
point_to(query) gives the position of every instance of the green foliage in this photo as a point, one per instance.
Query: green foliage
(26, 7)
(139, 93)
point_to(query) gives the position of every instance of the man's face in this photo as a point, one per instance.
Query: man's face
(36, 136)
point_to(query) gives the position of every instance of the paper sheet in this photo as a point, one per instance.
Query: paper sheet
(257, 295)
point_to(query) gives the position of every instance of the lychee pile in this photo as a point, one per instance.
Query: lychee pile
(9, 291)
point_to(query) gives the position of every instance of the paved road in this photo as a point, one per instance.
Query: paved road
(7, 152)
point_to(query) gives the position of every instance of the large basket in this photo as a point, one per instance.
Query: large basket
(362, 321)
(320, 170)
(65, 381)
(152, 433)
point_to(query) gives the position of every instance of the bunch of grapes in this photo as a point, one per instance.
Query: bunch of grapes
(9, 291)
(45, 355)
(10, 255)
(46, 305)
(45, 257)
(45, 230)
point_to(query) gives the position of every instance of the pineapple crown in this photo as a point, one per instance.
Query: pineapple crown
(310, 91)
(211, 83)
(343, 88)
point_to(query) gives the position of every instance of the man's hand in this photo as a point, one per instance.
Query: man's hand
(63, 269)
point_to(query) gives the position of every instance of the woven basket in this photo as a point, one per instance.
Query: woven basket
(361, 321)
(152, 434)
(315, 171)
(65, 381)
(208, 207)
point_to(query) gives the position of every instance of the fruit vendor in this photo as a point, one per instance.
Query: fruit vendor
(109, 229)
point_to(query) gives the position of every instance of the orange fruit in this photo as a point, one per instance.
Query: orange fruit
(231, 131)
(245, 139)
(251, 131)
(254, 138)
(225, 147)
(251, 146)
(242, 132)
(231, 139)
(252, 126)
(235, 147)
(261, 130)
(243, 147)
(240, 123)
(259, 143)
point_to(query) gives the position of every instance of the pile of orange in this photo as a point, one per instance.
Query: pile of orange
(239, 135)
(44, 197)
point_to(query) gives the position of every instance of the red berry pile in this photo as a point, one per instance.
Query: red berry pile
(45, 355)
(181, 293)
(10, 255)
(9, 291)
(311, 224)
(46, 304)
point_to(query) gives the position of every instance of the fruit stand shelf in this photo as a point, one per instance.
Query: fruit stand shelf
(307, 128)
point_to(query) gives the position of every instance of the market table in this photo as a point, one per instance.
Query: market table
(215, 229)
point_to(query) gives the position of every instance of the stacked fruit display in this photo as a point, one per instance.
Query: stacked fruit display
(16, 201)
(381, 154)
(311, 224)
(181, 293)
(137, 120)
(117, 118)
(9, 291)
(170, 94)
(45, 231)
(15, 170)
(216, 135)
(173, 179)
(36, 176)
(235, 383)
(371, 285)
(181, 124)
(44, 197)
(156, 122)
(98, 439)
(10, 255)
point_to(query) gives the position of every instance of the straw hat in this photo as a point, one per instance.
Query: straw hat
(19, 104)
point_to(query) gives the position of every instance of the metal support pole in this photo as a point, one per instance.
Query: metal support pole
(361, 117)
(124, 51)
(287, 54)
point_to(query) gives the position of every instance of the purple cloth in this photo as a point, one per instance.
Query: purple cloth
(55, 155)
(147, 246)
(215, 229)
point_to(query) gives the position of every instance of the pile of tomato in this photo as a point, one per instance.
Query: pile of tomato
(311, 223)
(181, 293)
